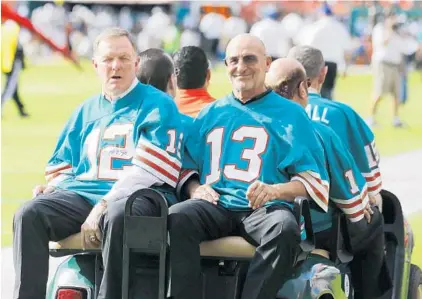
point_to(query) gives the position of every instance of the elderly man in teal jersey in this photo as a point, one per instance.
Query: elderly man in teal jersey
(348, 191)
(348, 125)
(121, 140)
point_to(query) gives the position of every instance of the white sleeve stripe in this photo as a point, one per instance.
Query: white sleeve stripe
(374, 190)
(353, 199)
(356, 219)
(186, 174)
(373, 173)
(153, 170)
(157, 161)
(315, 182)
(162, 154)
(321, 202)
(318, 177)
(353, 210)
(375, 182)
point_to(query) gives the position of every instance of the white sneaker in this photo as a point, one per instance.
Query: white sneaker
(371, 122)
(397, 123)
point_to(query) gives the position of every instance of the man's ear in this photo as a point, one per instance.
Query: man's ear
(207, 79)
(172, 86)
(137, 63)
(303, 90)
(268, 62)
(322, 74)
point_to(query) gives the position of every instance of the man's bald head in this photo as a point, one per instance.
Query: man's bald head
(287, 77)
(245, 41)
(311, 59)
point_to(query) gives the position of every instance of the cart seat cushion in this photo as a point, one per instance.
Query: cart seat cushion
(228, 246)
(232, 246)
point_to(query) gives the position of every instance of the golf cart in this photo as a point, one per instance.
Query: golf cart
(317, 274)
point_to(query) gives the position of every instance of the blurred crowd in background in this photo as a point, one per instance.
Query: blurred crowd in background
(171, 25)
(385, 34)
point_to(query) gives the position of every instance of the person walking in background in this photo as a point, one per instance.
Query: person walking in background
(193, 76)
(13, 62)
(387, 58)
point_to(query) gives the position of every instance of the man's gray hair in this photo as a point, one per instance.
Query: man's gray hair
(111, 33)
(311, 59)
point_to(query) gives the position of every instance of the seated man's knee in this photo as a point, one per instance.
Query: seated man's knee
(180, 218)
(27, 212)
(288, 230)
(115, 213)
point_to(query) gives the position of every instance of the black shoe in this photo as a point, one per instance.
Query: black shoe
(24, 114)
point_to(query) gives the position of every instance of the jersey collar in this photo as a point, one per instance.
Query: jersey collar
(255, 98)
(313, 91)
(123, 94)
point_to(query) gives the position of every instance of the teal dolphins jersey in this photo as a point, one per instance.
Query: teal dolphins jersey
(103, 139)
(269, 139)
(348, 188)
(189, 167)
(353, 132)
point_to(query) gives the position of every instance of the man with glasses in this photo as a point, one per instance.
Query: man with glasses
(255, 152)
(348, 191)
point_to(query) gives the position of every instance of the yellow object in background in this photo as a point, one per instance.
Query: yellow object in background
(9, 43)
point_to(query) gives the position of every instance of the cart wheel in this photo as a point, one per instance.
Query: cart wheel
(415, 283)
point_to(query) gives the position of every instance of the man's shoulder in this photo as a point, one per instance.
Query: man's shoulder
(155, 98)
(325, 131)
(219, 103)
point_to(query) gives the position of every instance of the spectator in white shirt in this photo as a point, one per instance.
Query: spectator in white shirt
(387, 57)
(332, 38)
(232, 27)
(271, 33)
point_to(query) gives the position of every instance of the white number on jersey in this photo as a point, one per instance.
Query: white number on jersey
(171, 147)
(372, 154)
(352, 181)
(251, 155)
(101, 158)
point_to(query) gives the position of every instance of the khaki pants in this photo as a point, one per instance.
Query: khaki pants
(386, 79)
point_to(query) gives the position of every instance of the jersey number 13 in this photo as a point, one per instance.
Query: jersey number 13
(250, 155)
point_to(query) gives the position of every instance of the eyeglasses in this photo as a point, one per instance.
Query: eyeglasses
(249, 59)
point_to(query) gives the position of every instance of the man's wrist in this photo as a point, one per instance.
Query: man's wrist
(279, 190)
(191, 187)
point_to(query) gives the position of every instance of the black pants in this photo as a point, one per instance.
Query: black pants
(330, 80)
(11, 89)
(273, 230)
(55, 216)
(371, 278)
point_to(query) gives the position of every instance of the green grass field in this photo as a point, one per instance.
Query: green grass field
(52, 91)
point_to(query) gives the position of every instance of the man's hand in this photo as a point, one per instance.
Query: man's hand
(42, 189)
(376, 200)
(259, 193)
(206, 192)
(90, 229)
(367, 212)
